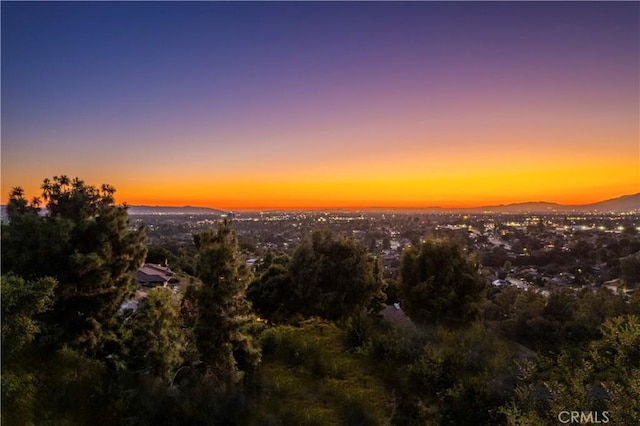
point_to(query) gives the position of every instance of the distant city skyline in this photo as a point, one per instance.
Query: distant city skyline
(295, 105)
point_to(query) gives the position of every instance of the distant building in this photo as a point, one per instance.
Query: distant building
(517, 283)
(613, 286)
(153, 275)
(499, 283)
(510, 281)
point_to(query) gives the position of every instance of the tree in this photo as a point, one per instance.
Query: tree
(222, 312)
(630, 270)
(619, 353)
(440, 284)
(334, 278)
(22, 303)
(271, 293)
(606, 377)
(501, 303)
(84, 242)
(454, 371)
(560, 306)
(160, 255)
(591, 311)
(157, 338)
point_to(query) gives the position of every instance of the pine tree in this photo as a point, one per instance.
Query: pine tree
(222, 310)
(84, 242)
(157, 339)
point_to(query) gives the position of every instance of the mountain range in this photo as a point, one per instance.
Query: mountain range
(626, 203)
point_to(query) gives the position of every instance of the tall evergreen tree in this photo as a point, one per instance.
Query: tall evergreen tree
(157, 339)
(222, 310)
(83, 241)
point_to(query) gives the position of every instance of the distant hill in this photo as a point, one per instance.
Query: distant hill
(145, 210)
(625, 203)
(532, 206)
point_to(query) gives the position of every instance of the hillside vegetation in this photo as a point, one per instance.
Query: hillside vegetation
(300, 339)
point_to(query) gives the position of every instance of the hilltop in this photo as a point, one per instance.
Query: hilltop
(624, 203)
(619, 204)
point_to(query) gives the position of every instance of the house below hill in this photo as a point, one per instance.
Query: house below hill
(153, 275)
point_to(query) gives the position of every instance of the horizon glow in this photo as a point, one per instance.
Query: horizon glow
(257, 106)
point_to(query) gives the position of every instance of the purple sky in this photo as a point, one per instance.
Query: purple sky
(294, 104)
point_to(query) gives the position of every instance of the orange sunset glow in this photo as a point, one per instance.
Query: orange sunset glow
(450, 107)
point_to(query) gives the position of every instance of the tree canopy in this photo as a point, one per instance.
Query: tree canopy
(82, 240)
(222, 311)
(156, 339)
(271, 293)
(440, 284)
(334, 277)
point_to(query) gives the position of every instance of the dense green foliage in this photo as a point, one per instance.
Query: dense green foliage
(156, 335)
(630, 270)
(440, 284)
(22, 302)
(68, 269)
(222, 312)
(271, 293)
(334, 277)
(82, 241)
(327, 276)
(563, 319)
(309, 376)
(605, 377)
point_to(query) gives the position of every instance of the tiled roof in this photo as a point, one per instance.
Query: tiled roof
(150, 273)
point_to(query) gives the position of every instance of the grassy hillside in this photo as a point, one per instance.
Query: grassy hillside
(309, 376)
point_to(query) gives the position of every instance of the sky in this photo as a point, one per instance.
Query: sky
(296, 105)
